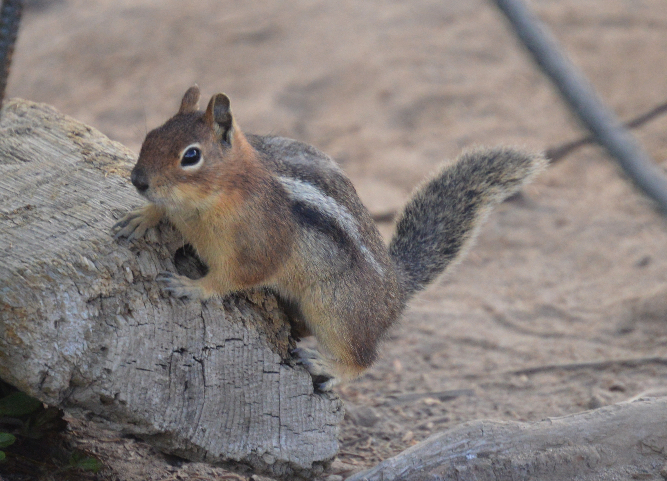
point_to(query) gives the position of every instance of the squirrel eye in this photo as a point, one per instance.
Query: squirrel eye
(191, 157)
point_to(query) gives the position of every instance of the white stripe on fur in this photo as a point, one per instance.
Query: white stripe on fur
(311, 195)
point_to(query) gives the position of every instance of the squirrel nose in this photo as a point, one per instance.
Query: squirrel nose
(139, 179)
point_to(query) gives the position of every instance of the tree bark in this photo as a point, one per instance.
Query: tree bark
(84, 326)
(622, 441)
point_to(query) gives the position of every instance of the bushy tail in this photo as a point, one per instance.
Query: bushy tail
(445, 213)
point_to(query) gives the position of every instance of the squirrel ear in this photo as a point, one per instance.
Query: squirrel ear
(219, 116)
(190, 102)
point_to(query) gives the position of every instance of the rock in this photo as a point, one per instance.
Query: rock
(364, 416)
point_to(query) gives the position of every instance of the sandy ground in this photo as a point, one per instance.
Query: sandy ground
(569, 276)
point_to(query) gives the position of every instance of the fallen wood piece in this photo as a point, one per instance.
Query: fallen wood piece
(440, 395)
(622, 441)
(595, 365)
(84, 326)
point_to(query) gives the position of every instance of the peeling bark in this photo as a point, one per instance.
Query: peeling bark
(84, 326)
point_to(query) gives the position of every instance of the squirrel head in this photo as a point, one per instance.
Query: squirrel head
(184, 163)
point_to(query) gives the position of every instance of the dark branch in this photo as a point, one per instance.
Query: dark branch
(583, 100)
(10, 18)
(558, 152)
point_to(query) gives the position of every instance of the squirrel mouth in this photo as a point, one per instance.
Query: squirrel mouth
(150, 196)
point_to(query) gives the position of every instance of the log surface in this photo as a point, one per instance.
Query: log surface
(84, 326)
(619, 442)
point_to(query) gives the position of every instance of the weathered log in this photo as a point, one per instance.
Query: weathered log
(84, 326)
(622, 441)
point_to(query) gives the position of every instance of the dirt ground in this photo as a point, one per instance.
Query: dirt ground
(562, 280)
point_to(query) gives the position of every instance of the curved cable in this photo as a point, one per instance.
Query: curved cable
(583, 100)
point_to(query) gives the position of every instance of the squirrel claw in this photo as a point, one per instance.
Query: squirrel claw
(132, 226)
(165, 276)
(120, 224)
(125, 220)
(327, 385)
(135, 224)
(318, 368)
(178, 286)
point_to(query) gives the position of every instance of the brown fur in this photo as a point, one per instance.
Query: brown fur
(275, 213)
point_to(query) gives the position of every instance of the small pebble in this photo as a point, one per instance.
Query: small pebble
(364, 416)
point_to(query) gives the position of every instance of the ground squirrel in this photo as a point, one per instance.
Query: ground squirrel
(271, 212)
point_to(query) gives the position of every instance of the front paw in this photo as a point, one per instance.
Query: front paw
(180, 286)
(135, 224)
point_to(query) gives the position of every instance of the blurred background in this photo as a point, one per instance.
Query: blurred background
(572, 272)
(388, 88)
